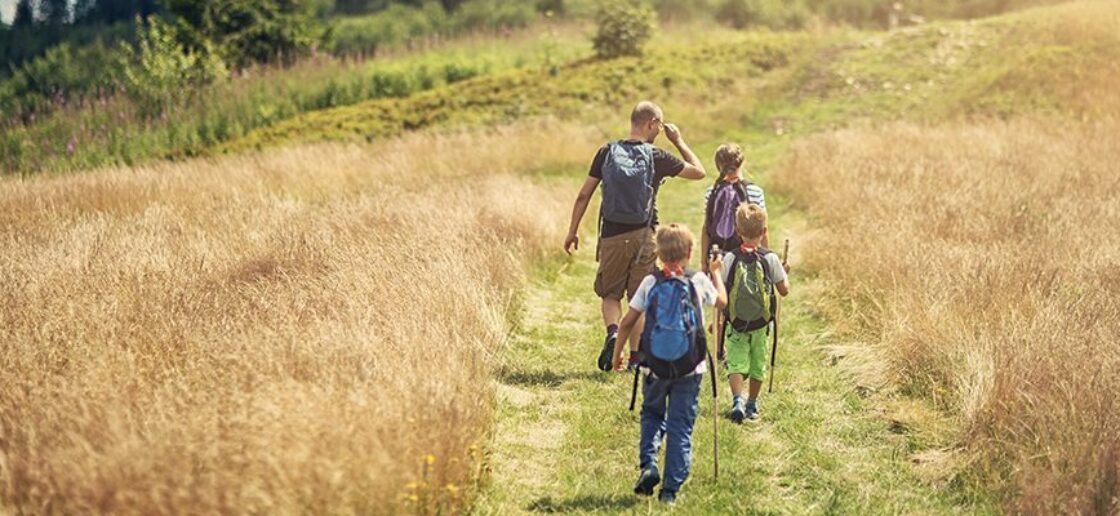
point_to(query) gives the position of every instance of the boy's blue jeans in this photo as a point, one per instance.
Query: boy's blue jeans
(669, 411)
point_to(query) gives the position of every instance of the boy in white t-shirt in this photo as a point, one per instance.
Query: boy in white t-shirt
(671, 387)
(753, 274)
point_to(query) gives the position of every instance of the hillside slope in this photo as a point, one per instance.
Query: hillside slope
(1046, 60)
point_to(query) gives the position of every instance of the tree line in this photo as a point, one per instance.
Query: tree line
(256, 30)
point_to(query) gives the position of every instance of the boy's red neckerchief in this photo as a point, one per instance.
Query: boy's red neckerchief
(673, 271)
(744, 248)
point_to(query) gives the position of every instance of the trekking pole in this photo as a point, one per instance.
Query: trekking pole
(634, 388)
(715, 390)
(777, 313)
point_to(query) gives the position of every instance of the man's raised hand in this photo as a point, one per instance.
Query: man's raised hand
(673, 133)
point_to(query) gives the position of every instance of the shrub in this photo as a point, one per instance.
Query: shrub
(624, 28)
(684, 9)
(860, 13)
(391, 27)
(63, 74)
(159, 72)
(773, 14)
(400, 24)
(250, 31)
(492, 15)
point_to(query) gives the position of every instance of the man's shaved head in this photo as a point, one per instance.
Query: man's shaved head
(644, 112)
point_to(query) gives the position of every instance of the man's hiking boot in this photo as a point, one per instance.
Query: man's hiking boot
(606, 356)
(668, 497)
(738, 410)
(752, 411)
(647, 481)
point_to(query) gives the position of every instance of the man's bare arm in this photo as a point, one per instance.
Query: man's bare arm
(578, 210)
(693, 169)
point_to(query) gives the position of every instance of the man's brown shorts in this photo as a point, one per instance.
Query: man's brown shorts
(624, 260)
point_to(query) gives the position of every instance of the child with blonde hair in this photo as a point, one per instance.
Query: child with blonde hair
(672, 351)
(754, 276)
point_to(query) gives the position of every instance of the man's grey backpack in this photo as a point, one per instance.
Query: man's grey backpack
(628, 183)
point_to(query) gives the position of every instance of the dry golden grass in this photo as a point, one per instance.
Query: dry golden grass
(311, 330)
(980, 264)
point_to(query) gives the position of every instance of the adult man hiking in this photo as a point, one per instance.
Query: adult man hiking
(631, 172)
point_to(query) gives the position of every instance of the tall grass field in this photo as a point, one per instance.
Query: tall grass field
(975, 267)
(337, 286)
(287, 332)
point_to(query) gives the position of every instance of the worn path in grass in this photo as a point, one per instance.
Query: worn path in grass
(566, 443)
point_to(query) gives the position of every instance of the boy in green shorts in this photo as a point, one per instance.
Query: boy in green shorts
(752, 277)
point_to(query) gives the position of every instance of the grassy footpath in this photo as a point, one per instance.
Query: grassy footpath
(565, 442)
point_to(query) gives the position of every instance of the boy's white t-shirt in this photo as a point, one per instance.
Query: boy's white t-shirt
(705, 295)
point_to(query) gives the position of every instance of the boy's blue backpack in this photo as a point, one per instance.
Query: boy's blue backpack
(723, 201)
(750, 293)
(673, 342)
(628, 183)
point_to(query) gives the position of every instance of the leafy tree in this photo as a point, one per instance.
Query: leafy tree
(110, 11)
(160, 72)
(450, 5)
(359, 6)
(624, 28)
(775, 14)
(25, 15)
(250, 31)
(84, 10)
(54, 13)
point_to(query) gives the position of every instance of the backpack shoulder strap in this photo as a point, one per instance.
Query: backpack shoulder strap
(737, 256)
(651, 300)
(710, 209)
(741, 189)
(647, 151)
(762, 254)
(692, 294)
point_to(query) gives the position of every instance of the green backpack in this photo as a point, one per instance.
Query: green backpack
(751, 305)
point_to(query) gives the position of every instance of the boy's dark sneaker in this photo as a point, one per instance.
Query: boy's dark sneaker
(738, 410)
(668, 497)
(752, 411)
(606, 356)
(647, 481)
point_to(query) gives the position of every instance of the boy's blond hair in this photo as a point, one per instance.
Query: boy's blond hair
(729, 157)
(674, 242)
(750, 221)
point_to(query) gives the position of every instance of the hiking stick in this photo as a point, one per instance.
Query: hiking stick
(777, 313)
(715, 417)
(715, 389)
(634, 388)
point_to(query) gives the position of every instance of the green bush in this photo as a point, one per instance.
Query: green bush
(398, 24)
(624, 27)
(859, 13)
(680, 10)
(773, 14)
(63, 74)
(249, 31)
(492, 15)
(160, 72)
